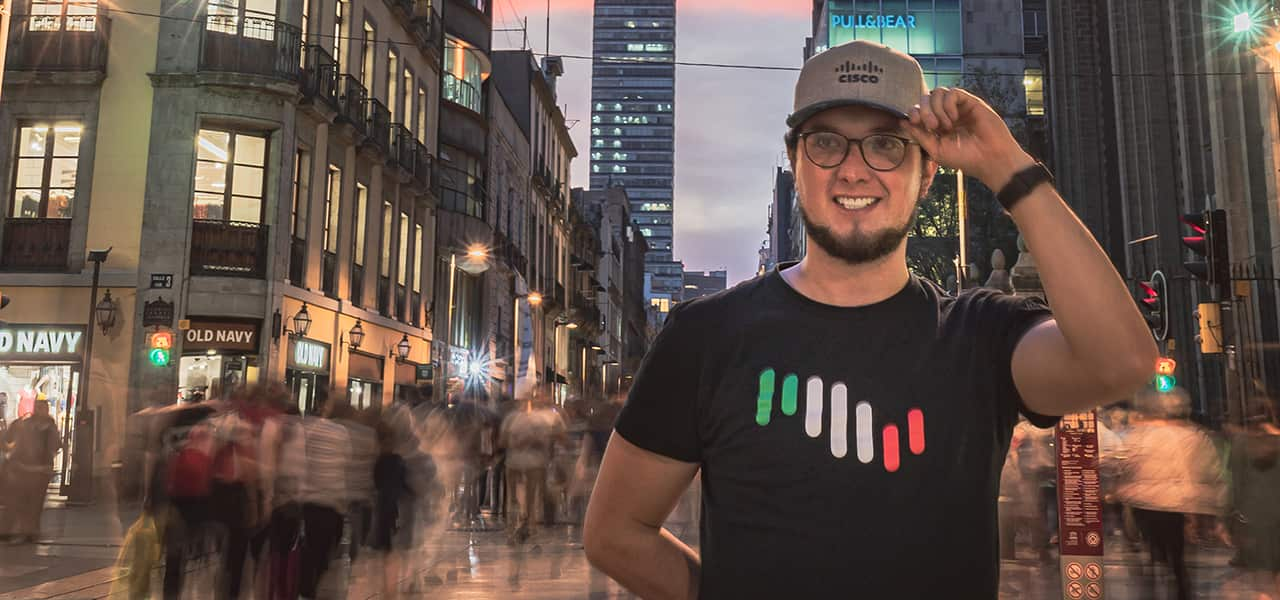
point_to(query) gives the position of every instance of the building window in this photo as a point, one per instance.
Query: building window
(403, 258)
(384, 265)
(230, 176)
(417, 258)
(366, 57)
(1033, 24)
(462, 186)
(332, 200)
(301, 194)
(48, 157)
(56, 15)
(339, 48)
(406, 103)
(249, 18)
(362, 218)
(393, 72)
(422, 115)
(462, 75)
(1033, 83)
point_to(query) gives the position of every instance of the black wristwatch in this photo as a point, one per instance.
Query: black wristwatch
(1022, 183)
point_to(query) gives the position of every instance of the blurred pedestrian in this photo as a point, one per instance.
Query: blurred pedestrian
(1255, 484)
(1173, 472)
(849, 418)
(31, 444)
(529, 438)
(323, 497)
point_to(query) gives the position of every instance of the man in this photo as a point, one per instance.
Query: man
(32, 442)
(529, 435)
(850, 419)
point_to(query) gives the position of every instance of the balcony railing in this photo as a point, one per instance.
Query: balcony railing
(253, 46)
(57, 43)
(228, 248)
(423, 166)
(357, 284)
(297, 260)
(320, 77)
(351, 97)
(329, 274)
(461, 92)
(402, 148)
(378, 124)
(36, 244)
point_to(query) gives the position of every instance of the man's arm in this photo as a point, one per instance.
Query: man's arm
(1097, 349)
(634, 493)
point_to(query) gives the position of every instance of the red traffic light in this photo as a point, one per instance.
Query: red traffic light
(1165, 366)
(1151, 297)
(161, 339)
(1200, 228)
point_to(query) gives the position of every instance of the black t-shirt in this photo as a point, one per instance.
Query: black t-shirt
(845, 452)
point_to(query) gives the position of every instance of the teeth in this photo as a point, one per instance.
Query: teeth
(852, 203)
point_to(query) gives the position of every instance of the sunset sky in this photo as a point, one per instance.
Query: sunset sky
(729, 122)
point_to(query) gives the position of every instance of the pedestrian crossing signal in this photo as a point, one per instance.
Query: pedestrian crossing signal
(1165, 381)
(161, 343)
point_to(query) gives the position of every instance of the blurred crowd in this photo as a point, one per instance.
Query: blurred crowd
(1170, 487)
(280, 498)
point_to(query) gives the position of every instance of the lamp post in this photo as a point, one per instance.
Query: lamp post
(81, 488)
(475, 253)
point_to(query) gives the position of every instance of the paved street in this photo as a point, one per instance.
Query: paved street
(75, 557)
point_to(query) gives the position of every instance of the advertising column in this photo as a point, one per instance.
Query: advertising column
(1079, 507)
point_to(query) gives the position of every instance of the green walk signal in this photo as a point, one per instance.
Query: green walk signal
(1165, 383)
(159, 357)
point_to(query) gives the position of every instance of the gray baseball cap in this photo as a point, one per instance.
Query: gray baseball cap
(858, 73)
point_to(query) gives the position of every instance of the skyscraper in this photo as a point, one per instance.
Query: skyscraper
(633, 124)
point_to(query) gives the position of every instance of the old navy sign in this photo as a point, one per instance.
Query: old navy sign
(873, 21)
(221, 335)
(309, 356)
(41, 343)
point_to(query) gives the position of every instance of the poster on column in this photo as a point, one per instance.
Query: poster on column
(524, 353)
(1080, 529)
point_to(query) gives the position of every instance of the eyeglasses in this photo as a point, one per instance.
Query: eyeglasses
(881, 151)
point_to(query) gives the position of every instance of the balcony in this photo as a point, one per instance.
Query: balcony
(228, 248)
(423, 166)
(402, 148)
(36, 245)
(329, 274)
(251, 46)
(377, 124)
(351, 98)
(320, 77)
(56, 43)
(297, 260)
(428, 28)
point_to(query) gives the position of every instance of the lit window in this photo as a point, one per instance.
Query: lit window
(1033, 83)
(47, 162)
(332, 200)
(230, 176)
(50, 15)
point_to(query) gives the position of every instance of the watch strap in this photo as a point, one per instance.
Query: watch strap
(1022, 183)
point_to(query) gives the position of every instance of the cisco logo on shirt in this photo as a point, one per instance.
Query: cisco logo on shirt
(863, 424)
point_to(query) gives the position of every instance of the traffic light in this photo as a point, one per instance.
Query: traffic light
(1164, 381)
(1208, 242)
(161, 343)
(1151, 299)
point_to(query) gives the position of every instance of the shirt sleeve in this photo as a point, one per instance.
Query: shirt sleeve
(661, 414)
(1008, 319)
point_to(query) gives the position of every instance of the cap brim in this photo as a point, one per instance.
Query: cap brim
(799, 117)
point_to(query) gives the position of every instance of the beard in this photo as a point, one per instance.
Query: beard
(858, 248)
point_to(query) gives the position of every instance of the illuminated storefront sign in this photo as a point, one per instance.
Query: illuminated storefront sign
(873, 21)
(41, 343)
(309, 356)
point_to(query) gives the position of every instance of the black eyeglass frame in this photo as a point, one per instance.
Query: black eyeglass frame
(849, 143)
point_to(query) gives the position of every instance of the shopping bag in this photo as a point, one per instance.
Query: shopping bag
(139, 555)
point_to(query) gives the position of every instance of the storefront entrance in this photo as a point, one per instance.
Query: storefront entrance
(307, 373)
(218, 355)
(43, 362)
(364, 377)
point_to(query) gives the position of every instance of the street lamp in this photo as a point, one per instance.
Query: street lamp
(106, 310)
(302, 321)
(402, 348)
(356, 335)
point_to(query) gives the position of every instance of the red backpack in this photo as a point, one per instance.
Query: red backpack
(190, 472)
